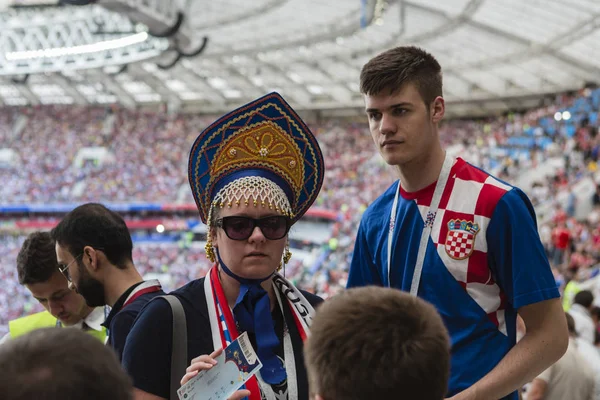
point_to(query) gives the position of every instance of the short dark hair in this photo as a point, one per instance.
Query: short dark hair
(584, 298)
(373, 343)
(94, 225)
(55, 363)
(36, 261)
(389, 71)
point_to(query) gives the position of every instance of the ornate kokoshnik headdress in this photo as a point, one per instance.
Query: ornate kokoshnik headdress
(262, 153)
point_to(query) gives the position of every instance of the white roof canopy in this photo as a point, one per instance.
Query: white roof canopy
(311, 51)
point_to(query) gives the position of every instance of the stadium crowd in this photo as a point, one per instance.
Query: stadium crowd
(150, 164)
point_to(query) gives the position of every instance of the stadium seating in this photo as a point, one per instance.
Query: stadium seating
(144, 161)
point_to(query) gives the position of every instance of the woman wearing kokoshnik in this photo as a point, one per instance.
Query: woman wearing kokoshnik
(253, 173)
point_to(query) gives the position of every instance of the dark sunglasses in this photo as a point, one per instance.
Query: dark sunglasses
(241, 228)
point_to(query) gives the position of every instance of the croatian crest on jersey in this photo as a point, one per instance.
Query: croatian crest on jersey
(460, 239)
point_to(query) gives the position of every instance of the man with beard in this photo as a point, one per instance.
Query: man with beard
(94, 251)
(37, 270)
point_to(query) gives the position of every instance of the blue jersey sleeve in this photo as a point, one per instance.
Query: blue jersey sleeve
(363, 270)
(147, 353)
(515, 253)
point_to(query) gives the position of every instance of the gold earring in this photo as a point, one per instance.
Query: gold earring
(287, 254)
(210, 250)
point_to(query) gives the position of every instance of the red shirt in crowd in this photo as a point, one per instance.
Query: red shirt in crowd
(561, 237)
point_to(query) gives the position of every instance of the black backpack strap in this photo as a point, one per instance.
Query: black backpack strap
(179, 344)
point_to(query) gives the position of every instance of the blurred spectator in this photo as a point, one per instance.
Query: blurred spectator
(596, 197)
(591, 354)
(570, 378)
(55, 364)
(581, 313)
(561, 237)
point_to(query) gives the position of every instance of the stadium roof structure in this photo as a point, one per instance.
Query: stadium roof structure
(496, 54)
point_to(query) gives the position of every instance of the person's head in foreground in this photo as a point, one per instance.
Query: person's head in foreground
(61, 364)
(402, 88)
(377, 343)
(39, 272)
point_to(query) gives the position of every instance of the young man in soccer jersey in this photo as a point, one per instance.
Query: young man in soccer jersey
(455, 236)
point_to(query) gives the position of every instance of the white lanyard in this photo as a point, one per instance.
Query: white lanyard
(428, 224)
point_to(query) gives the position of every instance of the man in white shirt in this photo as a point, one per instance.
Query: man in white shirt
(38, 271)
(570, 378)
(592, 356)
(581, 311)
(593, 285)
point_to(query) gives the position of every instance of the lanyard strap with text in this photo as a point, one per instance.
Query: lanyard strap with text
(428, 224)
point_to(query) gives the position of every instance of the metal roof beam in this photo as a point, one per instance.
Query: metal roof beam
(232, 70)
(156, 84)
(343, 96)
(301, 93)
(68, 87)
(268, 7)
(451, 24)
(347, 26)
(205, 87)
(474, 83)
(113, 87)
(550, 48)
(28, 94)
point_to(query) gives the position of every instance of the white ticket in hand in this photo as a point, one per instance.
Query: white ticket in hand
(236, 364)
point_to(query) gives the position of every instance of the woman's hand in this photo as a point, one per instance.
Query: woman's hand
(201, 363)
(206, 362)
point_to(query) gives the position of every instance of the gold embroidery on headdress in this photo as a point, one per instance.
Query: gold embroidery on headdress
(265, 144)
